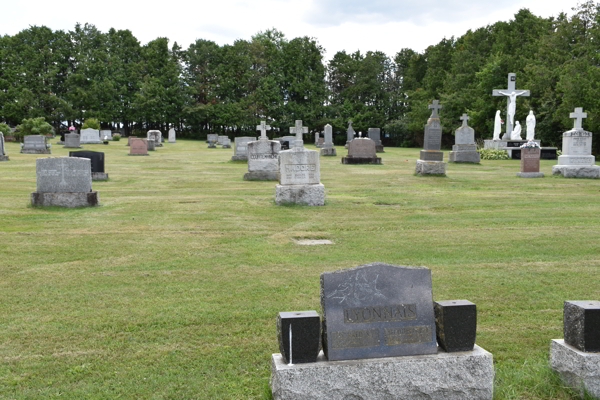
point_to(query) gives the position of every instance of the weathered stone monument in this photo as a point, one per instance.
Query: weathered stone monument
(375, 135)
(65, 182)
(155, 135)
(576, 358)
(106, 134)
(138, 147)
(212, 139)
(97, 163)
(349, 134)
(464, 149)
(577, 160)
(3, 156)
(90, 136)
(151, 144)
(72, 140)
(241, 148)
(328, 149)
(530, 161)
(172, 138)
(263, 157)
(361, 151)
(431, 159)
(299, 173)
(381, 317)
(36, 144)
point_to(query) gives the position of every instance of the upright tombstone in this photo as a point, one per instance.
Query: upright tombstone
(212, 139)
(287, 142)
(328, 149)
(155, 135)
(129, 138)
(3, 156)
(317, 141)
(72, 140)
(151, 144)
(431, 159)
(172, 138)
(381, 317)
(511, 94)
(299, 174)
(530, 161)
(263, 157)
(577, 160)
(349, 134)
(361, 151)
(90, 136)
(464, 149)
(138, 147)
(64, 181)
(36, 144)
(576, 358)
(241, 148)
(225, 142)
(106, 134)
(97, 163)
(375, 135)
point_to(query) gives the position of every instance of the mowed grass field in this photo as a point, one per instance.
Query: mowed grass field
(170, 289)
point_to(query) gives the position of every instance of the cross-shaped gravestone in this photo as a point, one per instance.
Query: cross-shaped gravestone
(578, 115)
(464, 119)
(435, 106)
(299, 130)
(512, 79)
(263, 128)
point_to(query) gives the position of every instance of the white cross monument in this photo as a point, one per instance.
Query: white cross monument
(435, 106)
(510, 93)
(263, 128)
(299, 130)
(578, 116)
(464, 119)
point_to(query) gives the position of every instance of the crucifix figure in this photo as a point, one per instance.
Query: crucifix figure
(263, 128)
(299, 130)
(435, 106)
(578, 115)
(464, 119)
(511, 102)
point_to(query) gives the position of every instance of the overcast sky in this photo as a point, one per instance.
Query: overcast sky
(385, 25)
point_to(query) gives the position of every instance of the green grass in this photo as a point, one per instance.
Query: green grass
(171, 288)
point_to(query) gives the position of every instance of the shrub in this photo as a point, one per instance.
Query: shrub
(34, 126)
(5, 129)
(493, 154)
(116, 137)
(91, 123)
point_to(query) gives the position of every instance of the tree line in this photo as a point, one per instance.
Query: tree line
(207, 88)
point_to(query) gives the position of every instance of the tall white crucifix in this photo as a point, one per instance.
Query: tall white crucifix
(299, 130)
(578, 115)
(511, 102)
(263, 128)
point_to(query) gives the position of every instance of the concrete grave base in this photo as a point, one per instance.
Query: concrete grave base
(129, 154)
(361, 160)
(328, 152)
(576, 171)
(494, 144)
(310, 195)
(530, 174)
(261, 176)
(430, 167)
(37, 151)
(73, 147)
(445, 376)
(4, 158)
(576, 368)
(99, 176)
(212, 146)
(68, 199)
(239, 158)
(464, 156)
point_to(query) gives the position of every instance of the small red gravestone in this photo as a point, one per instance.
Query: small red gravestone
(530, 161)
(139, 147)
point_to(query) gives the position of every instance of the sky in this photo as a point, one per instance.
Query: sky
(350, 25)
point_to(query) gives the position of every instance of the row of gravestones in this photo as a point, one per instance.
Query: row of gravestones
(383, 318)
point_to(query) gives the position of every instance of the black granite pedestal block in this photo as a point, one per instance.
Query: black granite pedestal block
(582, 325)
(455, 324)
(304, 335)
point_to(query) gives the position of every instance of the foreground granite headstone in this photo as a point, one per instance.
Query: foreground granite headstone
(577, 357)
(3, 156)
(72, 140)
(361, 151)
(464, 149)
(90, 136)
(431, 159)
(328, 149)
(172, 136)
(36, 144)
(97, 163)
(241, 148)
(138, 147)
(263, 157)
(375, 135)
(298, 334)
(65, 182)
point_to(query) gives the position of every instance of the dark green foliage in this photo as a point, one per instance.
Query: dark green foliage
(34, 126)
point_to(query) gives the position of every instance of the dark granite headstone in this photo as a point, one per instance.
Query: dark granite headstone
(455, 324)
(433, 135)
(96, 157)
(305, 336)
(515, 143)
(582, 325)
(530, 159)
(377, 310)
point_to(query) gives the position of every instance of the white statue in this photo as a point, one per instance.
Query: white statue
(516, 133)
(497, 126)
(360, 134)
(513, 103)
(530, 125)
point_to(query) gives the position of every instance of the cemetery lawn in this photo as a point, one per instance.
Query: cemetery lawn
(170, 289)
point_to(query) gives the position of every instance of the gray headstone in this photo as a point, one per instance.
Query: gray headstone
(89, 135)
(212, 138)
(106, 134)
(72, 140)
(63, 175)
(433, 134)
(34, 142)
(328, 137)
(350, 132)
(241, 145)
(156, 136)
(172, 135)
(464, 135)
(221, 139)
(375, 135)
(377, 310)
(2, 144)
(362, 147)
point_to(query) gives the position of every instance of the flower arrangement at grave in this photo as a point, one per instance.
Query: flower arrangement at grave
(71, 128)
(530, 144)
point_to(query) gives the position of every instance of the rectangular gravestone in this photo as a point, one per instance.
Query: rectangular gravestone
(156, 136)
(241, 147)
(361, 151)
(96, 158)
(106, 135)
(212, 139)
(375, 135)
(263, 160)
(172, 138)
(129, 139)
(328, 149)
(89, 135)
(433, 135)
(63, 175)
(377, 310)
(35, 144)
(138, 147)
(72, 140)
